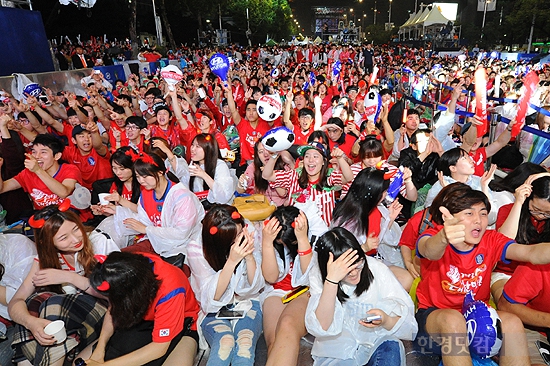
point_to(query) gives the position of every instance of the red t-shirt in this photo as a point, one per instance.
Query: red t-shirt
(479, 157)
(40, 194)
(126, 193)
(112, 140)
(174, 302)
(375, 220)
(152, 205)
(530, 286)
(411, 230)
(175, 135)
(249, 136)
(503, 213)
(93, 166)
(445, 281)
(345, 147)
(300, 138)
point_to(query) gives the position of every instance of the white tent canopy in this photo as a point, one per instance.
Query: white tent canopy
(434, 17)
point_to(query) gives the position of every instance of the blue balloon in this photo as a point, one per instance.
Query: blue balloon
(33, 89)
(337, 68)
(483, 325)
(219, 64)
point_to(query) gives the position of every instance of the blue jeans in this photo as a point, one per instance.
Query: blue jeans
(387, 354)
(235, 345)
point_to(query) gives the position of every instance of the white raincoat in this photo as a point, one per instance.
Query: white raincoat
(346, 339)
(181, 218)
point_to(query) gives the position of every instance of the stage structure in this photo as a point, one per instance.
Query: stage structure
(335, 24)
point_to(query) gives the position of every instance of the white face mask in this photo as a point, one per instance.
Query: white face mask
(422, 142)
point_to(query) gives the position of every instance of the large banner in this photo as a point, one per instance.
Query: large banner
(491, 5)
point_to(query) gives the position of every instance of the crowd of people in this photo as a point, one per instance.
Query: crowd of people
(368, 207)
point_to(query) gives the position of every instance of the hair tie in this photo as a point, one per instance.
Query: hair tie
(207, 137)
(213, 230)
(100, 258)
(104, 286)
(293, 224)
(235, 215)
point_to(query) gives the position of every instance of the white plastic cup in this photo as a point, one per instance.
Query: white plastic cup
(57, 330)
(102, 200)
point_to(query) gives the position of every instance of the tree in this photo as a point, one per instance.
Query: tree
(166, 23)
(519, 21)
(132, 29)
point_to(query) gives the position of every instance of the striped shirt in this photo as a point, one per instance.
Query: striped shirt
(324, 199)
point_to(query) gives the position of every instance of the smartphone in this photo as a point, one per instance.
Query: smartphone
(544, 350)
(294, 294)
(225, 313)
(371, 318)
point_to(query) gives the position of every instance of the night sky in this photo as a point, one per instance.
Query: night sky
(111, 17)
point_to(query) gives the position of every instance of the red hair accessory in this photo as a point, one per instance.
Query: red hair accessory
(235, 215)
(213, 230)
(293, 224)
(100, 258)
(39, 223)
(207, 137)
(64, 206)
(146, 158)
(132, 154)
(36, 224)
(104, 286)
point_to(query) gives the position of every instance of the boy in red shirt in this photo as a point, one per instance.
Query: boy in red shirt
(89, 154)
(44, 179)
(457, 257)
(251, 128)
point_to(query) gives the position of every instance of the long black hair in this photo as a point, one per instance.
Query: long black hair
(261, 185)
(363, 196)
(527, 233)
(132, 286)
(516, 177)
(216, 245)
(337, 241)
(211, 153)
(286, 237)
(125, 161)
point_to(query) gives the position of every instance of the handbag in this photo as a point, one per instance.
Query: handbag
(255, 207)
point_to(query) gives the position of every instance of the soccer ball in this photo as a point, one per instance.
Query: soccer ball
(483, 326)
(278, 139)
(269, 107)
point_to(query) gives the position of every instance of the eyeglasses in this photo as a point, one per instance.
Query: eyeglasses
(546, 215)
(132, 127)
(359, 267)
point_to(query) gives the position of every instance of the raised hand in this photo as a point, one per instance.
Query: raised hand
(453, 229)
(338, 269)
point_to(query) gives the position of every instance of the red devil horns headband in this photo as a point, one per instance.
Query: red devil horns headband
(39, 223)
(146, 158)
